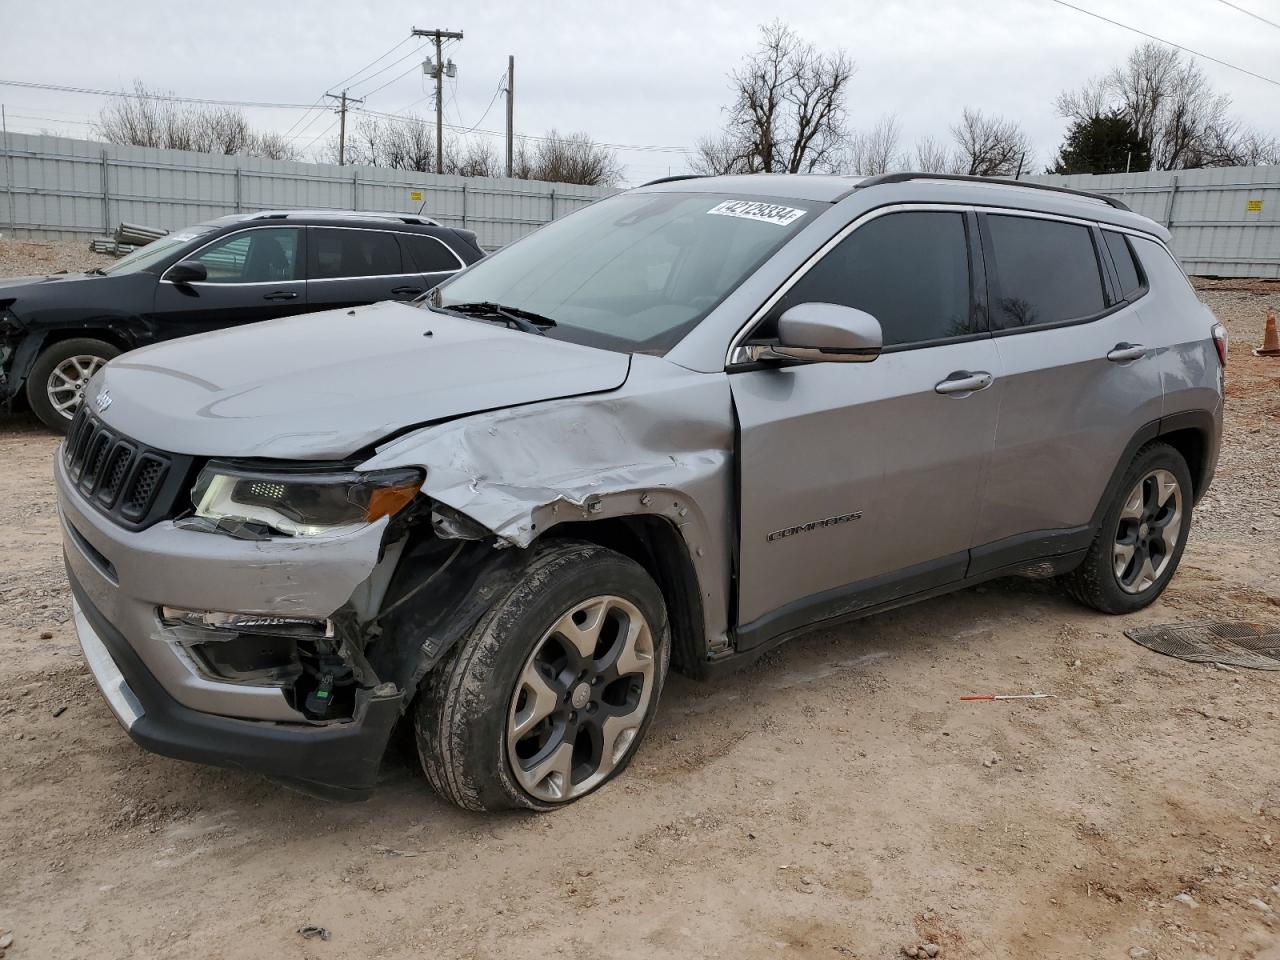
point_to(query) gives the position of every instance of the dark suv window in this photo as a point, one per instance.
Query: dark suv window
(1047, 272)
(426, 254)
(908, 270)
(353, 253)
(262, 255)
(1131, 283)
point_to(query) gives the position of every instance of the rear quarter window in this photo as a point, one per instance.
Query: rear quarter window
(1046, 271)
(1132, 283)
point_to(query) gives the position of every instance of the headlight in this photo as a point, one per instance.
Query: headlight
(299, 503)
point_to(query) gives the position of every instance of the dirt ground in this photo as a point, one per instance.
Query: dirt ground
(835, 801)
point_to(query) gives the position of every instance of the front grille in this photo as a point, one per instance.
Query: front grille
(131, 483)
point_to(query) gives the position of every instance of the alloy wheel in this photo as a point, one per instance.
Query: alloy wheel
(66, 384)
(1147, 535)
(581, 699)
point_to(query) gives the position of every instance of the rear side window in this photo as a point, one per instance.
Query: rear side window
(1047, 272)
(908, 270)
(1131, 283)
(352, 253)
(425, 254)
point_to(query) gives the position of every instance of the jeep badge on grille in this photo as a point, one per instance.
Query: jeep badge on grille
(102, 401)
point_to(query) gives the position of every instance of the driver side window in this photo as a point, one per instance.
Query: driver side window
(909, 270)
(266, 255)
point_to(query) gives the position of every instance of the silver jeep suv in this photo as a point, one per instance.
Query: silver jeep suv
(678, 426)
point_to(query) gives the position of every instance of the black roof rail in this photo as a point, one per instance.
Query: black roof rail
(678, 176)
(999, 181)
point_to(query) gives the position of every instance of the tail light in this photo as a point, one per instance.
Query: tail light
(1219, 333)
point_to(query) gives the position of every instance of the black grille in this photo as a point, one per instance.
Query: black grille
(131, 483)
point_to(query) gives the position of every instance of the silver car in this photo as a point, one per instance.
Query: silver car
(676, 427)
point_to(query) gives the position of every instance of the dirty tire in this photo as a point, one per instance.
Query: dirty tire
(50, 358)
(1095, 583)
(461, 714)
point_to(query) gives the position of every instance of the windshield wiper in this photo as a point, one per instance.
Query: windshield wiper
(516, 317)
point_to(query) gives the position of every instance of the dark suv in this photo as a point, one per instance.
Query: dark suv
(56, 331)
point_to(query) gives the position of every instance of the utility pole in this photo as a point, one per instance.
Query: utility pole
(343, 100)
(511, 92)
(440, 36)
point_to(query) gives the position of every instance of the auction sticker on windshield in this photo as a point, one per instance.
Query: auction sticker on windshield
(754, 210)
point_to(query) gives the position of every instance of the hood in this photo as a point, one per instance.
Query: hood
(11, 286)
(325, 385)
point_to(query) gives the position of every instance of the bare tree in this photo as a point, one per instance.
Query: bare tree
(875, 151)
(148, 119)
(568, 158)
(934, 157)
(1174, 110)
(788, 111)
(990, 146)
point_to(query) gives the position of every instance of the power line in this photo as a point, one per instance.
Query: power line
(1250, 13)
(372, 62)
(1168, 43)
(398, 76)
(320, 99)
(416, 51)
(640, 147)
(61, 88)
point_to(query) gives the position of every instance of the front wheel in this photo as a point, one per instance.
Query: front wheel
(58, 378)
(549, 695)
(1137, 548)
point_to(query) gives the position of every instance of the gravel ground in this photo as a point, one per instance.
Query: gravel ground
(23, 258)
(835, 801)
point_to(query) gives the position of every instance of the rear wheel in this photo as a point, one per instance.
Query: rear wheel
(1142, 536)
(549, 695)
(57, 381)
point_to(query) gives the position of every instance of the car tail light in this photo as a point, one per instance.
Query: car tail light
(1219, 333)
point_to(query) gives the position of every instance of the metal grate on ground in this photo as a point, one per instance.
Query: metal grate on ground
(1254, 646)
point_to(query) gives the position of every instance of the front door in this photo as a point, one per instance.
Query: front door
(859, 481)
(253, 274)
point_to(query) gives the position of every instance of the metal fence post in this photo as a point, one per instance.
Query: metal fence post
(8, 166)
(239, 204)
(1168, 207)
(464, 204)
(355, 190)
(553, 203)
(106, 197)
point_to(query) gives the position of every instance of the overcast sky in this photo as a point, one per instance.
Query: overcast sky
(645, 73)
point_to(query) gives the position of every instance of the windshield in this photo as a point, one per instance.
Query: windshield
(635, 272)
(154, 252)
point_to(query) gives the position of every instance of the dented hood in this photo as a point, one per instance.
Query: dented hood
(324, 385)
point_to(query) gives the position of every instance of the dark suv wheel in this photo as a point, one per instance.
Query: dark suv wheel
(1142, 536)
(549, 695)
(58, 378)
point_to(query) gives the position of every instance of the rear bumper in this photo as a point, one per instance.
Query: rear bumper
(336, 762)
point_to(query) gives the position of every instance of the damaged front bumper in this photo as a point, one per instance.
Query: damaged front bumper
(180, 700)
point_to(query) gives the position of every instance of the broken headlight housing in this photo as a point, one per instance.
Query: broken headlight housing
(302, 503)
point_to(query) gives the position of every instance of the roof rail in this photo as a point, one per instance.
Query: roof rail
(347, 215)
(678, 176)
(999, 181)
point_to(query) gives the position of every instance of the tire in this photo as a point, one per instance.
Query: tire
(1152, 514)
(48, 383)
(494, 718)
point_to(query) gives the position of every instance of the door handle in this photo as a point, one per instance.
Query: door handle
(1124, 352)
(281, 295)
(405, 291)
(964, 381)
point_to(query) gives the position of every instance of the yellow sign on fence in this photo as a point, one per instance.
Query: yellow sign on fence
(416, 197)
(1253, 206)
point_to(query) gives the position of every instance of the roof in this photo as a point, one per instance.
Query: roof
(410, 218)
(918, 187)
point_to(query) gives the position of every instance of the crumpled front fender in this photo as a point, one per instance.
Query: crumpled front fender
(659, 446)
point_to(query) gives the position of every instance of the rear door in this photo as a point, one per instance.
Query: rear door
(349, 266)
(1078, 382)
(253, 274)
(859, 481)
(433, 259)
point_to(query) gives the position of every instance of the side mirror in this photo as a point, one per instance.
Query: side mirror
(822, 332)
(188, 271)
